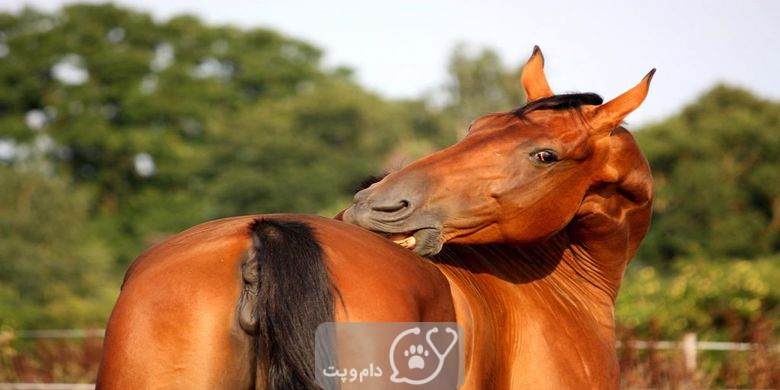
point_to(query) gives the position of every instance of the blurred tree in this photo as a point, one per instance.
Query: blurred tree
(302, 153)
(713, 299)
(717, 179)
(480, 84)
(53, 272)
(172, 123)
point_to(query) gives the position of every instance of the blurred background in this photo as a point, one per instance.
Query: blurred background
(123, 124)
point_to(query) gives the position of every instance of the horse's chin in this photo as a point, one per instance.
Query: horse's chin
(428, 241)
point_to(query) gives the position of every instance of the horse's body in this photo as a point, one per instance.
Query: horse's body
(529, 223)
(176, 323)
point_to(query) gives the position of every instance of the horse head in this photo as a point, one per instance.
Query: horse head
(518, 176)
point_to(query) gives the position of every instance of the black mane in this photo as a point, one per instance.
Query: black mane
(560, 102)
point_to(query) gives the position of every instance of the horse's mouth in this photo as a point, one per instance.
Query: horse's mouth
(422, 235)
(406, 240)
(424, 242)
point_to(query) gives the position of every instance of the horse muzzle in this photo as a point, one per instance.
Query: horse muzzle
(419, 232)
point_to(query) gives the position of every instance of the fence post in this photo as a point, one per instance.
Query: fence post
(689, 348)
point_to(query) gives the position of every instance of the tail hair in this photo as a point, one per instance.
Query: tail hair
(293, 296)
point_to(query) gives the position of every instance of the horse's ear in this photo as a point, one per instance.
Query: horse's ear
(609, 115)
(533, 78)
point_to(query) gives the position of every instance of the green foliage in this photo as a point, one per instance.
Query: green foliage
(717, 197)
(716, 300)
(144, 128)
(52, 273)
(717, 179)
(302, 153)
(174, 123)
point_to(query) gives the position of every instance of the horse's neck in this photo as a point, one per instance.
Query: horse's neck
(547, 278)
(545, 308)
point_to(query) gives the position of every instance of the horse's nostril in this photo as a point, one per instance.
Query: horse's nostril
(391, 208)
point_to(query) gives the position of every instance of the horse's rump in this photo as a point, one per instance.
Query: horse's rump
(234, 303)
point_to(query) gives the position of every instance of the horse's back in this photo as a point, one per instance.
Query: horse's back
(381, 281)
(175, 324)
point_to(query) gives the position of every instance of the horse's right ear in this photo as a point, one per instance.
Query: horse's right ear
(533, 78)
(609, 115)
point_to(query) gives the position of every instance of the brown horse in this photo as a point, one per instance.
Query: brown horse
(529, 223)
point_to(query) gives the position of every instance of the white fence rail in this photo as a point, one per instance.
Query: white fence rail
(690, 347)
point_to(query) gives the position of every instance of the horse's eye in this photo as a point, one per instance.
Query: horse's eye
(545, 156)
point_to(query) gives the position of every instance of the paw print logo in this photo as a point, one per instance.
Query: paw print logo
(416, 361)
(415, 354)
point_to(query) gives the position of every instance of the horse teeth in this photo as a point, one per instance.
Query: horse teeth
(407, 242)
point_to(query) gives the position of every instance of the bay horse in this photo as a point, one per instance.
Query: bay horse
(520, 232)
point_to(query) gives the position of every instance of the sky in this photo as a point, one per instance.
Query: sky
(401, 48)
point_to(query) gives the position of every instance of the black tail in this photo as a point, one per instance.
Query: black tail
(286, 278)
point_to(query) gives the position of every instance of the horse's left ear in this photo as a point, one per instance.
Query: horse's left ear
(533, 79)
(608, 116)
